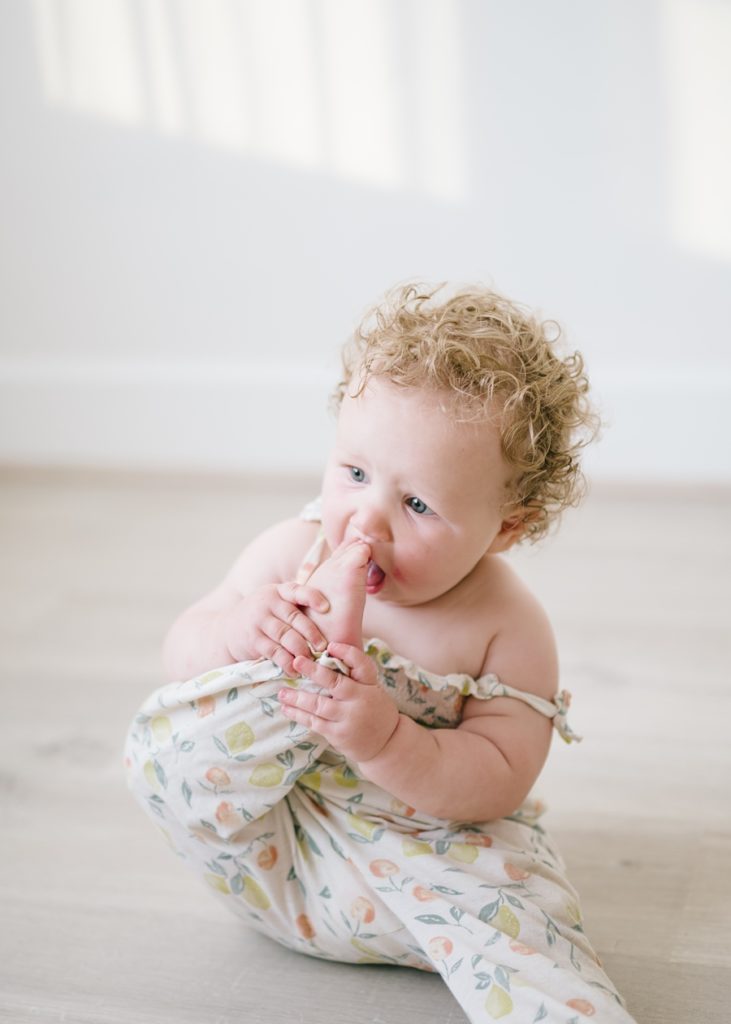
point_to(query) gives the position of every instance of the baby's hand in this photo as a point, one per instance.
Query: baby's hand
(357, 716)
(270, 624)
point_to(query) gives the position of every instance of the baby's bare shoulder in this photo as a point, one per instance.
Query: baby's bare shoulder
(522, 647)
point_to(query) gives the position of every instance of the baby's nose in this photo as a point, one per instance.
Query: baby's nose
(371, 524)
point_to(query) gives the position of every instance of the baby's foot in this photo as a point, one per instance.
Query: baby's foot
(342, 579)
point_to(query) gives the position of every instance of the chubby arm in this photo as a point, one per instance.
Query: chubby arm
(485, 768)
(477, 772)
(253, 612)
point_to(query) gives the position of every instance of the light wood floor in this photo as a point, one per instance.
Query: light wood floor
(101, 924)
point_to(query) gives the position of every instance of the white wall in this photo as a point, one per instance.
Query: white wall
(199, 199)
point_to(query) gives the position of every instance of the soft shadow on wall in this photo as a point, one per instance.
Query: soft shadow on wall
(383, 98)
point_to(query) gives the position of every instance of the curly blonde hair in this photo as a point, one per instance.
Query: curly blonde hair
(483, 348)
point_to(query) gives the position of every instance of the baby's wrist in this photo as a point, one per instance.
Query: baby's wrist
(385, 749)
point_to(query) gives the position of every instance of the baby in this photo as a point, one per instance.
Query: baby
(371, 689)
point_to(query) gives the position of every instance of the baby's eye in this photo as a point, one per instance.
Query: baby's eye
(419, 506)
(357, 474)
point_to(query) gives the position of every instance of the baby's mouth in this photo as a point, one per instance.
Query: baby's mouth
(375, 578)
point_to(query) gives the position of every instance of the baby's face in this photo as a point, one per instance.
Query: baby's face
(424, 491)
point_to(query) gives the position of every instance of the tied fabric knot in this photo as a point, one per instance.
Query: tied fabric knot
(562, 702)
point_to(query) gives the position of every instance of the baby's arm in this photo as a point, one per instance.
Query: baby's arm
(253, 612)
(481, 770)
(485, 768)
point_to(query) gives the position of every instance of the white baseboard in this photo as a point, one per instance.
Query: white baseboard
(270, 418)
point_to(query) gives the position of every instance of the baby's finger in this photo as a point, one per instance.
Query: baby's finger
(303, 626)
(267, 648)
(316, 705)
(306, 597)
(284, 635)
(362, 668)
(318, 673)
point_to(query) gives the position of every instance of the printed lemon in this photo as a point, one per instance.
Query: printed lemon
(505, 921)
(415, 847)
(463, 852)
(218, 883)
(209, 676)
(254, 894)
(151, 776)
(267, 775)
(498, 1002)
(311, 780)
(362, 826)
(161, 728)
(344, 778)
(368, 955)
(238, 737)
(573, 913)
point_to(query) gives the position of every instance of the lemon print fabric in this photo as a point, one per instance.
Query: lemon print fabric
(291, 837)
(239, 737)
(267, 775)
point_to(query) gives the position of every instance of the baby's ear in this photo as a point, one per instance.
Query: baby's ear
(512, 529)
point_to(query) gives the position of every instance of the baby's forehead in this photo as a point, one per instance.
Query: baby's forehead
(392, 401)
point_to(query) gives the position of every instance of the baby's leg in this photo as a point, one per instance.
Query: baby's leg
(212, 760)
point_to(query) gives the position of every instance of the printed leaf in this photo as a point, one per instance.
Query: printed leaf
(512, 899)
(456, 967)
(337, 848)
(541, 1015)
(312, 844)
(187, 792)
(325, 893)
(232, 694)
(187, 746)
(447, 891)
(237, 884)
(573, 959)
(456, 913)
(475, 960)
(208, 825)
(442, 845)
(156, 808)
(160, 772)
(488, 911)
(502, 977)
(212, 865)
(431, 919)
(221, 746)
